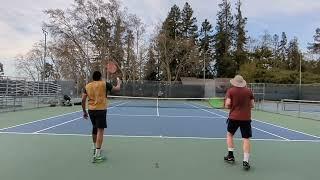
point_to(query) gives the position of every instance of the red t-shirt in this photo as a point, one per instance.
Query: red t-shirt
(240, 108)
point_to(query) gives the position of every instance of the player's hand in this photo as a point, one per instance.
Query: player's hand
(118, 81)
(85, 115)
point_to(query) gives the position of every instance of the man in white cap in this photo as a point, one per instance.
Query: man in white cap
(240, 101)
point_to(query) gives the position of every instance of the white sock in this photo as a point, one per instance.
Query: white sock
(93, 146)
(231, 149)
(98, 152)
(246, 157)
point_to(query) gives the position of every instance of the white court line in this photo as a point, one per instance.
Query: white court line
(158, 107)
(280, 127)
(157, 137)
(38, 120)
(51, 118)
(57, 125)
(271, 133)
(285, 128)
(206, 110)
(118, 105)
(73, 120)
(168, 116)
(267, 132)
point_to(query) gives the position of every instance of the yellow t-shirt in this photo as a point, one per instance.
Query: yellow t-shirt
(97, 94)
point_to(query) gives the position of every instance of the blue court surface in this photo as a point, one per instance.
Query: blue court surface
(194, 122)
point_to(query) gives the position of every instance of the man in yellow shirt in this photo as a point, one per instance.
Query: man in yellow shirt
(96, 92)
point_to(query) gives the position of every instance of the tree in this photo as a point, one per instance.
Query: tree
(315, 47)
(206, 47)
(117, 45)
(240, 54)
(293, 62)
(283, 48)
(130, 64)
(275, 51)
(1, 69)
(151, 67)
(172, 25)
(139, 29)
(224, 64)
(88, 34)
(188, 26)
(100, 37)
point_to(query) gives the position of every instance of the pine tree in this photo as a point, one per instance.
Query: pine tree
(294, 55)
(171, 26)
(1, 69)
(151, 66)
(240, 55)
(315, 47)
(206, 45)
(283, 48)
(224, 64)
(275, 51)
(188, 22)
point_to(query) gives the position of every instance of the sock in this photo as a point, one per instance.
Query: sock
(246, 157)
(93, 145)
(230, 151)
(98, 152)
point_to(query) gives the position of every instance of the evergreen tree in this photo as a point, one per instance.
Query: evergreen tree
(315, 47)
(294, 55)
(224, 64)
(1, 69)
(151, 66)
(283, 48)
(240, 55)
(276, 61)
(188, 22)
(206, 47)
(171, 26)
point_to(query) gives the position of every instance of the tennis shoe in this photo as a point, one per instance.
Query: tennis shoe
(98, 159)
(246, 165)
(229, 159)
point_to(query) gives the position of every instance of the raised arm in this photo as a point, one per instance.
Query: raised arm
(118, 86)
(111, 88)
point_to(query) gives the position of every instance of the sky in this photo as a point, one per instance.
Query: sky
(21, 20)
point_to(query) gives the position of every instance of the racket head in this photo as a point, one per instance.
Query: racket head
(111, 67)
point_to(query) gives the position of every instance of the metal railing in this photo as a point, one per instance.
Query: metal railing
(20, 93)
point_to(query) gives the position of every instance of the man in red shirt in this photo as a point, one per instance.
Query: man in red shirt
(240, 101)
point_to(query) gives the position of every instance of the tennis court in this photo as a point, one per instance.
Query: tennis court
(153, 140)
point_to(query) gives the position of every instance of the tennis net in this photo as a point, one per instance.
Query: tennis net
(300, 105)
(185, 103)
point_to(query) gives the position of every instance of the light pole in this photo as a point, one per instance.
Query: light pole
(45, 53)
(300, 75)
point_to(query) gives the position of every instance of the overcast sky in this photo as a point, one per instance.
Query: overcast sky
(20, 20)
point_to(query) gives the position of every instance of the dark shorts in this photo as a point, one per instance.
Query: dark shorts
(245, 127)
(98, 118)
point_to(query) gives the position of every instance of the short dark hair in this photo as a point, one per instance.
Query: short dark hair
(96, 76)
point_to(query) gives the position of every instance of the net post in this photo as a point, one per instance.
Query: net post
(299, 110)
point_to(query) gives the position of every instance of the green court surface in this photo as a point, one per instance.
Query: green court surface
(8, 119)
(53, 157)
(59, 157)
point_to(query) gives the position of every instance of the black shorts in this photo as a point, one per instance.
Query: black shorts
(245, 127)
(98, 118)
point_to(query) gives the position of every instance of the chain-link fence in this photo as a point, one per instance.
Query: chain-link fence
(162, 89)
